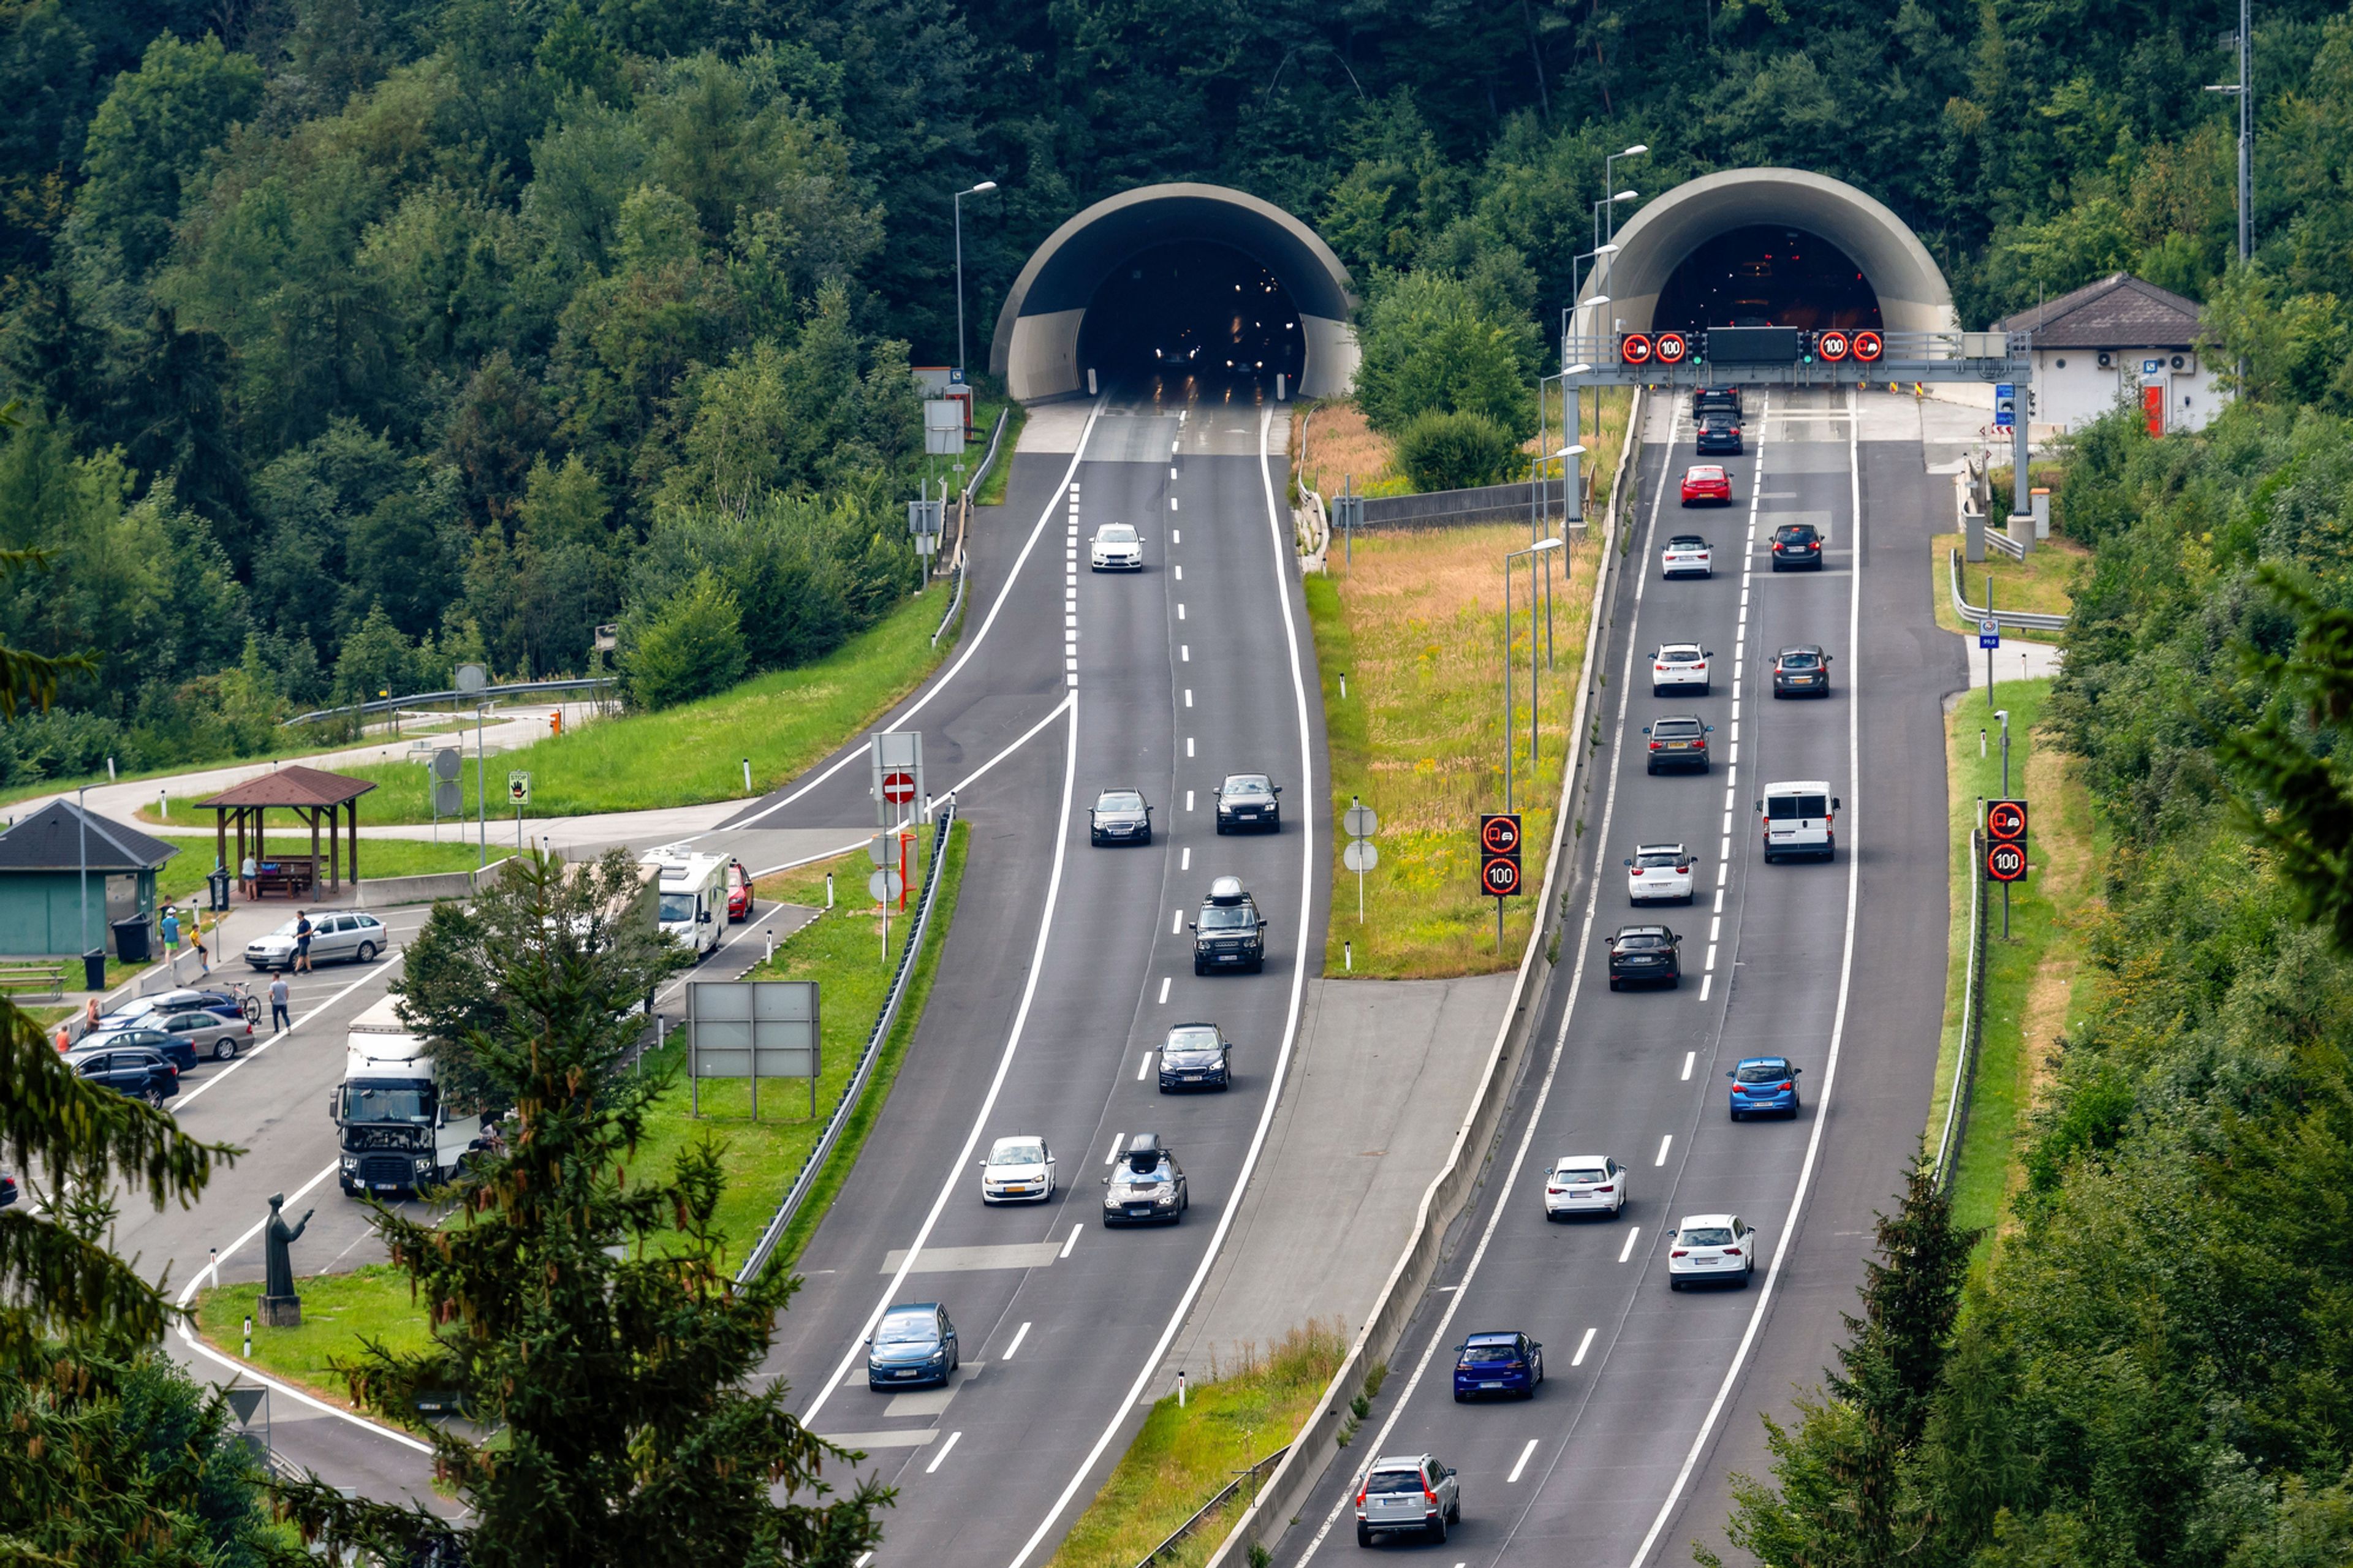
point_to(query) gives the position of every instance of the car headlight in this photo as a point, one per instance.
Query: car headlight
(351, 1162)
(1167, 1198)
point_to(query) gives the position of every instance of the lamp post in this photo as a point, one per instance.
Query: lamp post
(1574, 500)
(982, 189)
(1611, 202)
(81, 824)
(2004, 714)
(2241, 90)
(1541, 547)
(1609, 179)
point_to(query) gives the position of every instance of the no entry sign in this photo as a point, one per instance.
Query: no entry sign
(898, 788)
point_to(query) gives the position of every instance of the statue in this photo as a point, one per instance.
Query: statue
(280, 1308)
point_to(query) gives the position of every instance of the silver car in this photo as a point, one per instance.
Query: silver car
(1409, 1493)
(336, 935)
(208, 1034)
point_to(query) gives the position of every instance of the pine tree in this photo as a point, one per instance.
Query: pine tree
(582, 1313)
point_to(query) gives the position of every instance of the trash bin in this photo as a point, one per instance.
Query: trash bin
(93, 969)
(132, 943)
(219, 883)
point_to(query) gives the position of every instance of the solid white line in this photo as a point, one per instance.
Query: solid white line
(899, 721)
(1525, 1455)
(1664, 1143)
(182, 1102)
(1689, 1058)
(1277, 533)
(1073, 1238)
(945, 1448)
(1019, 1335)
(1582, 1346)
(964, 1156)
(1144, 1067)
(974, 777)
(1624, 1253)
(1838, 1030)
(1164, 990)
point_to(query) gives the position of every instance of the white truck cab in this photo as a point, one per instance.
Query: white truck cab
(394, 1133)
(693, 895)
(1797, 818)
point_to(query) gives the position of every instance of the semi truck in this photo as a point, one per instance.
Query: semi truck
(395, 1135)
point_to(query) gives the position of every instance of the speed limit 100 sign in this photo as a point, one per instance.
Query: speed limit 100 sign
(1500, 875)
(2006, 861)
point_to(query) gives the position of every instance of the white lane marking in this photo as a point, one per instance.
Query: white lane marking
(1172, 467)
(1665, 1144)
(182, 1102)
(1838, 1030)
(946, 1449)
(1716, 929)
(1113, 1152)
(1172, 503)
(1180, 612)
(1076, 1231)
(1185, 858)
(1180, 573)
(1176, 536)
(1144, 1067)
(1525, 1455)
(1185, 653)
(1689, 1059)
(1019, 1335)
(1723, 871)
(899, 721)
(1176, 921)
(1624, 1253)
(964, 1156)
(1188, 751)
(1582, 1346)
(1164, 990)
(974, 777)
(1719, 892)
(1710, 965)
(1706, 982)
(1278, 531)
(1188, 793)
(1189, 697)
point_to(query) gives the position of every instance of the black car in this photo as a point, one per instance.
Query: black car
(7, 1189)
(179, 1050)
(1718, 433)
(1250, 800)
(1648, 954)
(1795, 545)
(1196, 1056)
(1148, 1187)
(1231, 933)
(1678, 741)
(138, 1071)
(1803, 671)
(1723, 400)
(1119, 817)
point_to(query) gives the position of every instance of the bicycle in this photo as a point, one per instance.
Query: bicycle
(247, 1001)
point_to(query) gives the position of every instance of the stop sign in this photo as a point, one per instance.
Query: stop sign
(898, 788)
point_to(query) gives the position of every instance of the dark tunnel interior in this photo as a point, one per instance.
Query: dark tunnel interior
(1766, 275)
(1193, 309)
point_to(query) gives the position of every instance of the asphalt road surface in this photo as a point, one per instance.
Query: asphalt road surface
(1650, 1397)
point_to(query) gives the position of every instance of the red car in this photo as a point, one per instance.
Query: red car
(739, 893)
(1706, 481)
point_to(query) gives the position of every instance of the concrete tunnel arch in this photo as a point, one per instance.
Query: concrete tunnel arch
(1912, 293)
(1035, 349)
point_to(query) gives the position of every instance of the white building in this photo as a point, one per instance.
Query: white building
(2118, 338)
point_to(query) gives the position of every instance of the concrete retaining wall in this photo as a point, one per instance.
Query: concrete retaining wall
(383, 892)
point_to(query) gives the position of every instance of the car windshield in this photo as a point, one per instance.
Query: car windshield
(411, 1103)
(1705, 1236)
(1018, 1154)
(1679, 652)
(1709, 472)
(1800, 533)
(1381, 1481)
(1120, 800)
(1675, 728)
(1489, 1352)
(1641, 939)
(677, 907)
(1116, 534)
(1789, 807)
(1649, 857)
(1581, 1173)
(1762, 1072)
(1687, 542)
(1801, 659)
(1193, 1038)
(915, 1329)
(1249, 783)
(1226, 917)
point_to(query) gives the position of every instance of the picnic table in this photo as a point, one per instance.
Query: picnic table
(292, 875)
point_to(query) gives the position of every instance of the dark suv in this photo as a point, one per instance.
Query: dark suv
(1718, 434)
(1645, 954)
(1678, 741)
(1795, 545)
(1708, 400)
(1196, 1056)
(1802, 671)
(1231, 933)
(139, 1071)
(1250, 800)
(1147, 1188)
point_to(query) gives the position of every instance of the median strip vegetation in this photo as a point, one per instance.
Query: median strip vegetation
(2044, 583)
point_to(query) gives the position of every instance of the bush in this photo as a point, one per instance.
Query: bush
(1455, 452)
(1428, 346)
(692, 647)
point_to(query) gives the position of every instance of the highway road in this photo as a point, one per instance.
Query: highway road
(1065, 967)
(1652, 1396)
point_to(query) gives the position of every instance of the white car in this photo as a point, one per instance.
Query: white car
(1687, 555)
(1116, 548)
(1659, 874)
(1585, 1183)
(1018, 1170)
(1680, 667)
(1711, 1246)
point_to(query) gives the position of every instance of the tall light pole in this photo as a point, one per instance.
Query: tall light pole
(2242, 91)
(982, 189)
(1609, 182)
(1540, 547)
(1609, 201)
(81, 821)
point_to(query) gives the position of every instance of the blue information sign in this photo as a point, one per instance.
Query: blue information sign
(1988, 633)
(2005, 404)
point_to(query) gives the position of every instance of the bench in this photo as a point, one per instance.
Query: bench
(49, 978)
(290, 875)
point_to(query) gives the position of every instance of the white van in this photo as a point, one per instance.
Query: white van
(1797, 817)
(393, 1132)
(693, 895)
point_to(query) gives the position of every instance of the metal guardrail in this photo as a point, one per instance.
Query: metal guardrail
(2001, 539)
(2024, 620)
(1177, 1536)
(517, 688)
(1957, 1104)
(812, 1168)
(963, 522)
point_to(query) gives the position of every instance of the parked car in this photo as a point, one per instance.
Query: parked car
(1796, 546)
(914, 1345)
(1120, 816)
(1497, 1363)
(1230, 932)
(1708, 482)
(1196, 1056)
(1801, 671)
(739, 893)
(140, 1072)
(7, 1189)
(1147, 1186)
(208, 1034)
(1019, 1169)
(1116, 548)
(336, 936)
(1250, 800)
(139, 1008)
(1413, 1493)
(1680, 667)
(1678, 741)
(1762, 1085)
(1585, 1183)
(1658, 874)
(149, 1034)
(1648, 954)
(1711, 1246)
(1687, 555)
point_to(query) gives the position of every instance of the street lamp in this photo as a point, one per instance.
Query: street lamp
(1541, 547)
(1611, 202)
(2242, 91)
(1610, 178)
(982, 189)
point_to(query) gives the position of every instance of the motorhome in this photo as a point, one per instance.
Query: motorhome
(394, 1133)
(693, 895)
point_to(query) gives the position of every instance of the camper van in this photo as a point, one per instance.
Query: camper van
(395, 1135)
(693, 895)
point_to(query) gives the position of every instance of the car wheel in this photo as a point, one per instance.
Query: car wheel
(1737, 1116)
(1146, 837)
(1674, 1283)
(1438, 1530)
(1221, 828)
(1539, 1378)
(1613, 982)
(1454, 1514)
(367, 955)
(153, 1096)
(224, 1049)
(1652, 769)
(1364, 1536)
(1197, 970)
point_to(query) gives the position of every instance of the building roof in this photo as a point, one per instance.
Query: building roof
(2119, 311)
(292, 784)
(51, 840)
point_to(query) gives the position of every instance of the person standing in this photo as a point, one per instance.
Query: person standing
(196, 941)
(171, 936)
(90, 1015)
(303, 942)
(251, 873)
(280, 1020)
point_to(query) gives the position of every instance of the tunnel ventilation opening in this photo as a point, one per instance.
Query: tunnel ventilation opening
(1766, 275)
(1196, 313)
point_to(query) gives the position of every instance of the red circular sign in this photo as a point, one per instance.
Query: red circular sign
(1501, 876)
(1635, 350)
(2006, 862)
(1500, 834)
(1670, 348)
(1868, 346)
(2006, 819)
(898, 788)
(1834, 345)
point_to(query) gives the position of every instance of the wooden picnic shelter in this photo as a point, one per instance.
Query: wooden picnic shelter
(313, 796)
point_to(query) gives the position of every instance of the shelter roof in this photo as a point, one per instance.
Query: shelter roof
(2119, 311)
(51, 839)
(292, 784)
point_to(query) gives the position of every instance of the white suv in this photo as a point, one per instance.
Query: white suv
(1680, 667)
(1711, 1246)
(1658, 874)
(1116, 548)
(1798, 817)
(1585, 1183)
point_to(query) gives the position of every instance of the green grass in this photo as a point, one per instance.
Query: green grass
(1182, 1457)
(693, 753)
(2029, 979)
(339, 1311)
(2044, 583)
(984, 416)
(182, 876)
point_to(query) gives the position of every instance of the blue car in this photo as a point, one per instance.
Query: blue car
(1497, 1363)
(914, 1345)
(1763, 1083)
